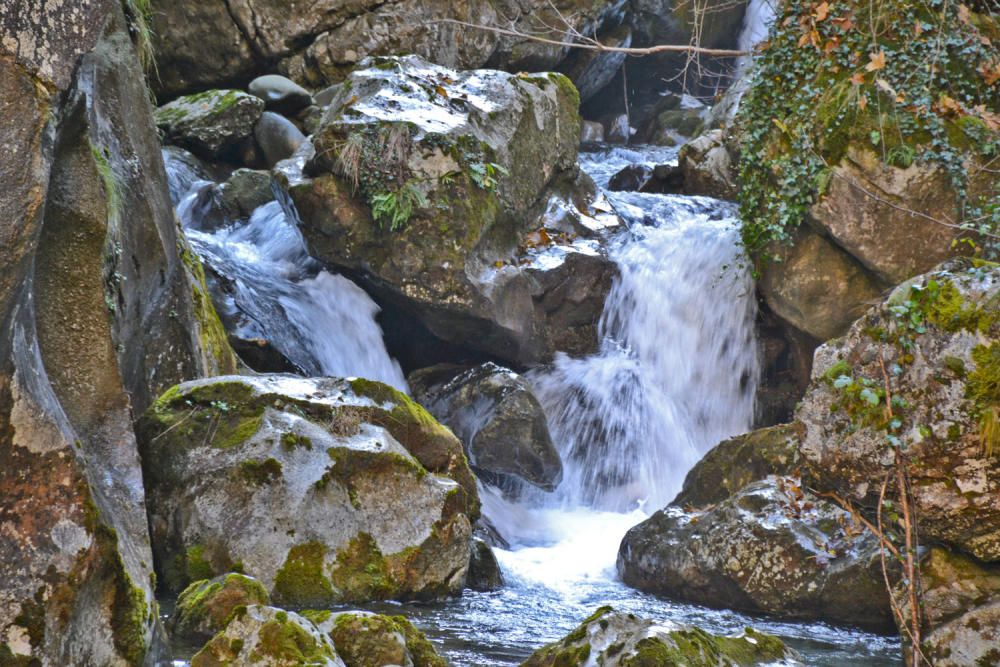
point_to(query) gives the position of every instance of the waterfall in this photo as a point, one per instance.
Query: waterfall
(678, 366)
(321, 322)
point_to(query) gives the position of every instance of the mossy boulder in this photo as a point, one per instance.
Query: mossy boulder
(495, 413)
(433, 185)
(773, 547)
(616, 639)
(733, 464)
(364, 639)
(267, 636)
(325, 490)
(213, 125)
(918, 372)
(205, 606)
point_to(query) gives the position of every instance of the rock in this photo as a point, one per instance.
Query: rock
(213, 125)
(364, 639)
(484, 569)
(786, 359)
(816, 287)
(770, 548)
(591, 71)
(496, 415)
(971, 639)
(294, 481)
(591, 132)
(280, 94)
(938, 339)
(204, 607)
(882, 233)
(262, 635)
(317, 46)
(94, 296)
(707, 167)
(245, 191)
(617, 639)
(277, 137)
(952, 584)
(436, 200)
(631, 178)
(735, 463)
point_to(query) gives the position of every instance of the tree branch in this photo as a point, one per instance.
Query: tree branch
(593, 45)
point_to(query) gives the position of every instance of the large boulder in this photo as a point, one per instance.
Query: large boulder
(918, 372)
(214, 125)
(817, 287)
(97, 316)
(325, 490)
(495, 413)
(456, 197)
(364, 639)
(268, 636)
(772, 547)
(204, 44)
(611, 638)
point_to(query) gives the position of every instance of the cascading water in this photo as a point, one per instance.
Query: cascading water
(677, 371)
(321, 322)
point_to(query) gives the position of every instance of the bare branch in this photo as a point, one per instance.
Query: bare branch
(593, 45)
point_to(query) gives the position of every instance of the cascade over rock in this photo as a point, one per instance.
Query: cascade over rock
(325, 490)
(455, 196)
(101, 308)
(498, 418)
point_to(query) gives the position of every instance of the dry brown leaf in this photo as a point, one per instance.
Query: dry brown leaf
(863, 102)
(964, 14)
(822, 11)
(858, 79)
(949, 105)
(876, 61)
(990, 72)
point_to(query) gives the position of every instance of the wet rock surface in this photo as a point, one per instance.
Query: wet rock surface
(293, 479)
(496, 415)
(204, 607)
(214, 125)
(772, 547)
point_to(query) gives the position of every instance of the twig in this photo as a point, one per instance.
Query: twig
(593, 45)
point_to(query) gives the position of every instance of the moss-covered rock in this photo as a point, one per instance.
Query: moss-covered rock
(205, 606)
(616, 639)
(267, 636)
(326, 490)
(434, 203)
(364, 639)
(772, 547)
(917, 372)
(212, 124)
(733, 464)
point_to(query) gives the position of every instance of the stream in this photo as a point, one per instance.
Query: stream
(676, 373)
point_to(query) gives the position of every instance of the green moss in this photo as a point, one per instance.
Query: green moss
(217, 353)
(196, 566)
(316, 616)
(421, 650)
(130, 619)
(222, 414)
(406, 420)
(567, 88)
(288, 643)
(946, 308)
(984, 390)
(362, 571)
(290, 441)
(260, 473)
(301, 580)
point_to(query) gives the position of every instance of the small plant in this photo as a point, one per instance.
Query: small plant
(484, 175)
(392, 210)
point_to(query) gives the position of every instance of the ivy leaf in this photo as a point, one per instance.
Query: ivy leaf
(843, 381)
(876, 61)
(876, 137)
(870, 397)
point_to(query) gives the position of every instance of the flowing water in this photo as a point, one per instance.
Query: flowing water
(321, 322)
(675, 374)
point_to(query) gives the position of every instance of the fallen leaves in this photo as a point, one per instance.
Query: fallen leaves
(876, 61)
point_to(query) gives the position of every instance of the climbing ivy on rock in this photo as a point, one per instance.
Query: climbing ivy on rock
(917, 81)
